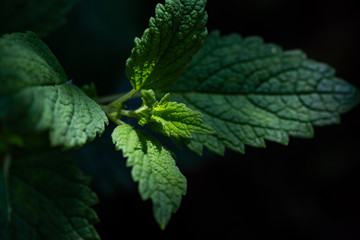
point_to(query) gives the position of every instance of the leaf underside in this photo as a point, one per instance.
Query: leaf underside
(175, 34)
(249, 92)
(36, 95)
(153, 166)
(45, 197)
(41, 16)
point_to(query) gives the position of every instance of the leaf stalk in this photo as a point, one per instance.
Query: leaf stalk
(123, 98)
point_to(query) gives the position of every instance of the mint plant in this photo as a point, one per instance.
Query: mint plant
(196, 89)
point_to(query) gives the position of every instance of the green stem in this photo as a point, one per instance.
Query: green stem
(114, 110)
(123, 98)
(111, 112)
(129, 113)
(111, 98)
(114, 114)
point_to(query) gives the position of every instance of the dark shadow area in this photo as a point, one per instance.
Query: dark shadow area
(307, 190)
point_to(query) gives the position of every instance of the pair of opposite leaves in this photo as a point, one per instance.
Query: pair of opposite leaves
(246, 90)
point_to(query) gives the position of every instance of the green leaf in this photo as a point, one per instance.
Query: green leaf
(175, 34)
(144, 113)
(39, 16)
(44, 197)
(171, 119)
(36, 96)
(249, 91)
(155, 170)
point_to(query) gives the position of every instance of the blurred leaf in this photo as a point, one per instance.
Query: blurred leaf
(36, 96)
(90, 91)
(44, 196)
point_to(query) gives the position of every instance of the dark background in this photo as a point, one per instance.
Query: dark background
(307, 190)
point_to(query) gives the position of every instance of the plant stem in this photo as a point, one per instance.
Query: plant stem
(123, 98)
(129, 113)
(109, 98)
(114, 110)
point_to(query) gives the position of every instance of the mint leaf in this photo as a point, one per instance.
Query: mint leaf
(41, 16)
(171, 119)
(44, 196)
(175, 34)
(249, 92)
(155, 170)
(144, 113)
(36, 96)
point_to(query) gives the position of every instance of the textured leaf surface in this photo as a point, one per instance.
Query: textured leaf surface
(36, 96)
(40, 16)
(154, 168)
(249, 91)
(45, 197)
(175, 34)
(173, 119)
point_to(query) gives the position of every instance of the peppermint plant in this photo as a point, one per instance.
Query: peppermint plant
(197, 89)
